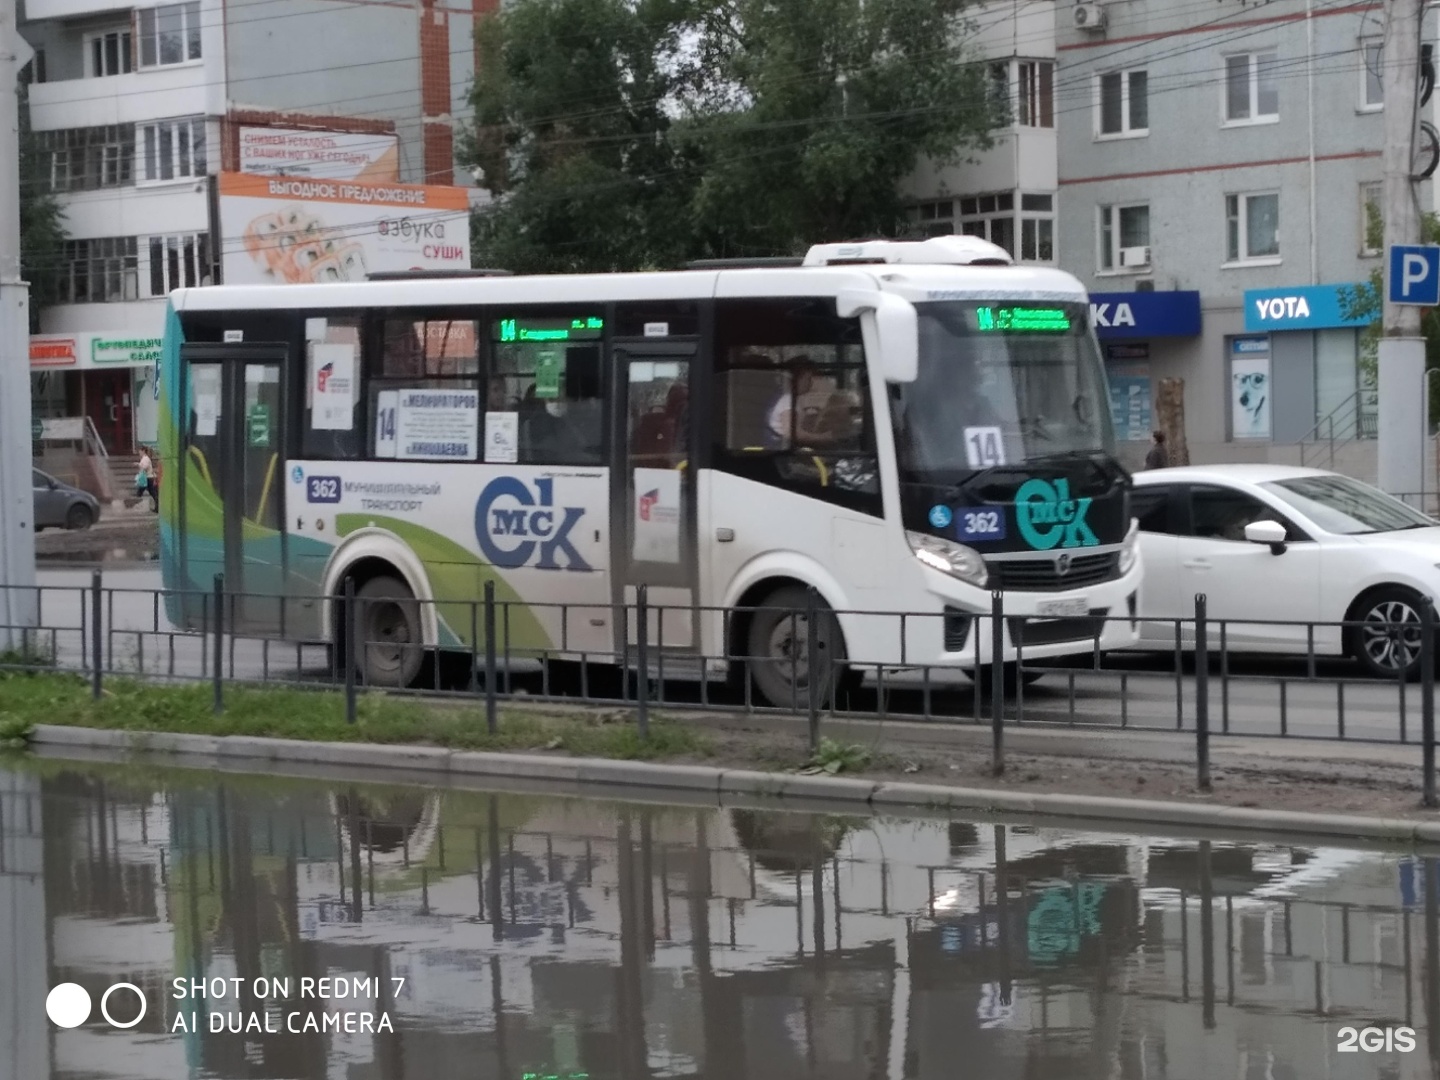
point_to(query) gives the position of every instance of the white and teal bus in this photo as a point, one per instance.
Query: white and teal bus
(903, 426)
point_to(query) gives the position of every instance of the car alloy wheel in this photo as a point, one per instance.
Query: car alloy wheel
(1390, 636)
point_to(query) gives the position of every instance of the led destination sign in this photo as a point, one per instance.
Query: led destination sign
(1022, 320)
(518, 330)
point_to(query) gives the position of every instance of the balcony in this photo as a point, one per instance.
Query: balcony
(119, 99)
(36, 10)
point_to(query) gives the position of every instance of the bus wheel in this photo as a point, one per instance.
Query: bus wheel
(391, 646)
(778, 645)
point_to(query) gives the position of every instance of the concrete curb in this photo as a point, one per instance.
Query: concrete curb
(833, 791)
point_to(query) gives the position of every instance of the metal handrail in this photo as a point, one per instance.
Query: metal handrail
(93, 442)
(1353, 411)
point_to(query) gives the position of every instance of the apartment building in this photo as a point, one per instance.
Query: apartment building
(1218, 164)
(1005, 194)
(147, 113)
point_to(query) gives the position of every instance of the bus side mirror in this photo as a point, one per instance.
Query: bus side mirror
(897, 330)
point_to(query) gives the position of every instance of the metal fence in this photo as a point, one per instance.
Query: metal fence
(1202, 683)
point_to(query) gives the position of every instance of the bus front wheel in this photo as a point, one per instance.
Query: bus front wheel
(778, 647)
(390, 648)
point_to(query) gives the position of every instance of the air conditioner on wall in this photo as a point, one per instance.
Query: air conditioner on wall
(1136, 256)
(1089, 17)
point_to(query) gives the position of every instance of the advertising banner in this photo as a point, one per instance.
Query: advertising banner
(282, 229)
(324, 155)
(1250, 396)
(1130, 401)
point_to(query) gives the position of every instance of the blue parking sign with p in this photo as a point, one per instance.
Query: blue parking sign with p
(1415, 274)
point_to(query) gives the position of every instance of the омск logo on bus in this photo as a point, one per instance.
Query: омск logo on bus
(1048, 517)
(512, 523)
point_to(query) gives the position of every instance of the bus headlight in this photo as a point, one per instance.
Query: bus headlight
(948, 557)
(1130, 547)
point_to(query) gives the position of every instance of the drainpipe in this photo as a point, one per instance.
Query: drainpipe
(1310, 100)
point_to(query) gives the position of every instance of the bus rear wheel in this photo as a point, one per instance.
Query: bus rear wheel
(778, 644)
(391, 647)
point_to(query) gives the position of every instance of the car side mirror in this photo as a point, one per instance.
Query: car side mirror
(1267, 532)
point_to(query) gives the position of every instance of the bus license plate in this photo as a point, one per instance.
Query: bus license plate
(1059, 609)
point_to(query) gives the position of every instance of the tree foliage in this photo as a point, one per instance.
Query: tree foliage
(42, 222)
(625, 134)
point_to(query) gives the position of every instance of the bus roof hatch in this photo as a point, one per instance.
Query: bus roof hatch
(936, 251)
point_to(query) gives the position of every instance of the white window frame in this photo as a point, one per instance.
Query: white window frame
(1242, 238)
(190, 34)
(1031, 100)
(1039, 220)
(188, 267)
(934, 217)
(1253, 59)
(125, 45)
(1365, 104)
(1107, 223)
(1367, 186)
(171, 132)
(1126, 130)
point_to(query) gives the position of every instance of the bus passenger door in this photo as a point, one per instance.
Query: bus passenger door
(653, 492)
(230, 473)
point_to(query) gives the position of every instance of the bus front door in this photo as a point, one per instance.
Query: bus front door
(653, 497)
(231, 478)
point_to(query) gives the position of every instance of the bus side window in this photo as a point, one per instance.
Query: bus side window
(419, 350)
(793, 401)
(332, 408)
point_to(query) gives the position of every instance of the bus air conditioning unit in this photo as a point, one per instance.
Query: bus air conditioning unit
(1089, 17)
(1135, 257)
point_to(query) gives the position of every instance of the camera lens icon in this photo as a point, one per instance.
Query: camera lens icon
(68, 1005)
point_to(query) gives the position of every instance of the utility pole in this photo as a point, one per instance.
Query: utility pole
(1401, 357)
(17, 506)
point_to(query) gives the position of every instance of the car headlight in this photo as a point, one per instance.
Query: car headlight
(948, 557)
(1130, 547)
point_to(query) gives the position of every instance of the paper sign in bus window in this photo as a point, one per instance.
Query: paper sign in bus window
(438, 424)
(549, 367)
(502, 438)
(984, 447)
(655, 524)
(387, 409)
(206, 382)
(332, 386)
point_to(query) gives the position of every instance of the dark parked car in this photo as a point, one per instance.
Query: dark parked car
(62, 505)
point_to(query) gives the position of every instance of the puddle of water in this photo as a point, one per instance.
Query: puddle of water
(97, 555)
(515, 936)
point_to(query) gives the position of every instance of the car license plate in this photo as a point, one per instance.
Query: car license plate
(1059, 609)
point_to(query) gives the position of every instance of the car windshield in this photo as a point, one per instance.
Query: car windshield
(1000, 384)
(1347, 507)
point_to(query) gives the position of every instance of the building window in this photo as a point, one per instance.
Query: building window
(990, 217)
(169, 35)
(934, 218)
(38, 70)
(1124, 106)
(1125, 237)
(109, 53)
(172, 150)
(1252, 90)
(1372, 84)
(100, 271)
(1000, 91)
(178, 262)
(1037, 228)
(1035, 88)
(1372, 224)
(1252, 227)
(87, 159)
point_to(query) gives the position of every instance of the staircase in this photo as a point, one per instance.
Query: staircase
(123, 468)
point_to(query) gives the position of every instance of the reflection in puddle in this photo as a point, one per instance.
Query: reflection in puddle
(98, 555)
(513, 936)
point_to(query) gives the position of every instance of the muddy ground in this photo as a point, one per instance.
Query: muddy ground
(120, 535)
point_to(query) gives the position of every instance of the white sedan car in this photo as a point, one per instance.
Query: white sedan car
(1301, 546)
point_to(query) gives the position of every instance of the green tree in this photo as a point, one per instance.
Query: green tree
(632, 134)
(42, 222)
(1364, 302)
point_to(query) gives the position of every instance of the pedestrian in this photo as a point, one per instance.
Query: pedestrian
(145, 479)
(1157, 458)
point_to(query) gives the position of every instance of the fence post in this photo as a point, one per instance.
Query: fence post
(812, 664)
(997, 683)
(1202, 695)
(1427, 697)
(352, 624)
(97, 638)
(642, 662)
(219, 644)
(490, 721)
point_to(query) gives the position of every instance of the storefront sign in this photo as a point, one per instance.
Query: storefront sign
(1249, 346)
(1145, 314)
(127, 352)
(1301, 307)
(52, 352)
(1127, 352)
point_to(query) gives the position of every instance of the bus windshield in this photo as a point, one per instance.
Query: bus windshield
(1000, 383)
